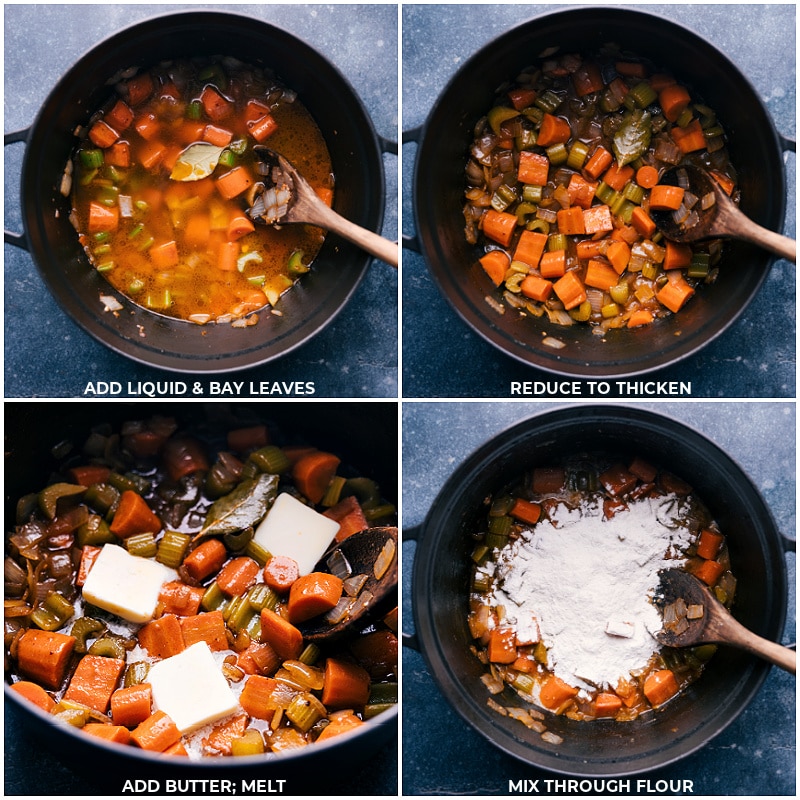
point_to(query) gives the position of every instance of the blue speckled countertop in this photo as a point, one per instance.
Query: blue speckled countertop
(46, 353)
(752, 359)
(755, 755)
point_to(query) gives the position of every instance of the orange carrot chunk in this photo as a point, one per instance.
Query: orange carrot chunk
(640, 317)
(313, 472)
(206, 559)
(659, 686)
(600, 275)
(261, 129)
(530, 247)
(346, 685)
(162, 637)
(208, 628)
(313, 594)
(499, 226)
(34, 694)
(238, 575)
(502, 646)
(525, 511)
(536, 288)
(674, 293)
(599, 161)
(553, 264)
(133, 515)
(647, 176)
(233, 183)
(281, 635)
(131, 705)
(533, 168)
(179, 598)
(256, 697)
(570, 290)
(553, 130)
(666, 198)
(673, 99)
(495, 264)
(709, 543)
(709, 571)
(555, 692)
(94, 681)
(111, 733)
(44, 656)
(607, 704)
(103, 218)
(156, 733)
(280, 573)
(350, 516)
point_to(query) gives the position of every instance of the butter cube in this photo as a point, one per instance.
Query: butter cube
(125, 585)
(293, 529)
(620, 628)
(191, 689)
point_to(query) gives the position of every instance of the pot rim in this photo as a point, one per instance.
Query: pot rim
(207, 356)
(426, 630)
(523, 348)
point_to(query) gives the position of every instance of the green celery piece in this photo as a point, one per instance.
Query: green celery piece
(633, 137)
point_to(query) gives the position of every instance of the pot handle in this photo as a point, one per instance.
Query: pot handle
(411, 535)
(387, 145)
(11, 237)
(412, 135)
(787, 144)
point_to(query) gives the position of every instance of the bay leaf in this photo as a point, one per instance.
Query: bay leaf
(196, 162)
(633, 137)
(245, 506)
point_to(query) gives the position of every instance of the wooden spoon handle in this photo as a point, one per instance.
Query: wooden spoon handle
(774, 242)
(367, 240)
(777, 654)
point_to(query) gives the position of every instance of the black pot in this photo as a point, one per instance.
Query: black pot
(364, 435)
(441, 579)
(444, 140)
(161, 341)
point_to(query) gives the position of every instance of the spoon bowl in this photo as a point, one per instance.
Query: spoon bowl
(708, 621)
(720, 219)
(287, 197)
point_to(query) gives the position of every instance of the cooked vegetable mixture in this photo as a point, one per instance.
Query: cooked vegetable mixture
(163, 176)
(162, 591)
(563, 173)
(565, 576)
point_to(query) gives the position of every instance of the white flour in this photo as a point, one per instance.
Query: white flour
(584, 584)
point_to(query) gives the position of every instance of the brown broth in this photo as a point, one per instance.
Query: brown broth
(192, 285)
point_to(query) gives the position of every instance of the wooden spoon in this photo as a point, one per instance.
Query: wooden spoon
(716, 625)
(298, 202)
(361, 550)
(723, 219)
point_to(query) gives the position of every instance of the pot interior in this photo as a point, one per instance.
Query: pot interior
(439, 185)
(441, 589)
(162, 341)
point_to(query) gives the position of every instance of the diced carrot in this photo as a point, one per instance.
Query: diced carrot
(547, 480)
(709, 543)
(659, 80)
(376, 652)
(499, 226)
(89, 474)
(689, 139)
(242, 440)
(530, 247)
(313, 472)
(102, 218)
(708, 571)
(607, 704)
(35, 694)
(227, 256)
(588, 248)
(156, 733)
(164, 255)
(350, 516)
(533, 168)
(120, 116)
(495, 265)
(600, 275)
(206, 559)
(233, 183)
(642, 469)
(177, 749)
(616, 176)
(313, 594)
(255, 110)
(221, 137)
(261, 129)
(502, 646)
(179, 598)
(587, 79)
(162, 638)
(642, 222)
(281, 635)
(555, 692)
(239, 226)
(570, 221)
(190, 131)
(258, 659)
(208, 628)
(553, 130)
(138, 89)
(151, 154)
(597, 219)
(536, 288)
(619, 254)
(111, 733)
(94, 681)
(617, 480)
(659, 686)
(570, 290)
(521, 97)
(647, 176)
(147, 126)
(599, 161)
(280, 572)
(666, 198)
(295, 452)
(339, 724)
(626, 233)
(118, 155)
(677, 256)
(238, 575)
(133, 515)
(219, 741)
(724, 181)
(44, 656)
(256, 697)
(215, 105)
(553, 264)
(674, 293)
(673, 100)
(631, 69)
(102, 134)
(197, 232)
(89, 555)
(640, 317)
(345, 685)
(581, 192)
(525, 511)
(132, 705)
